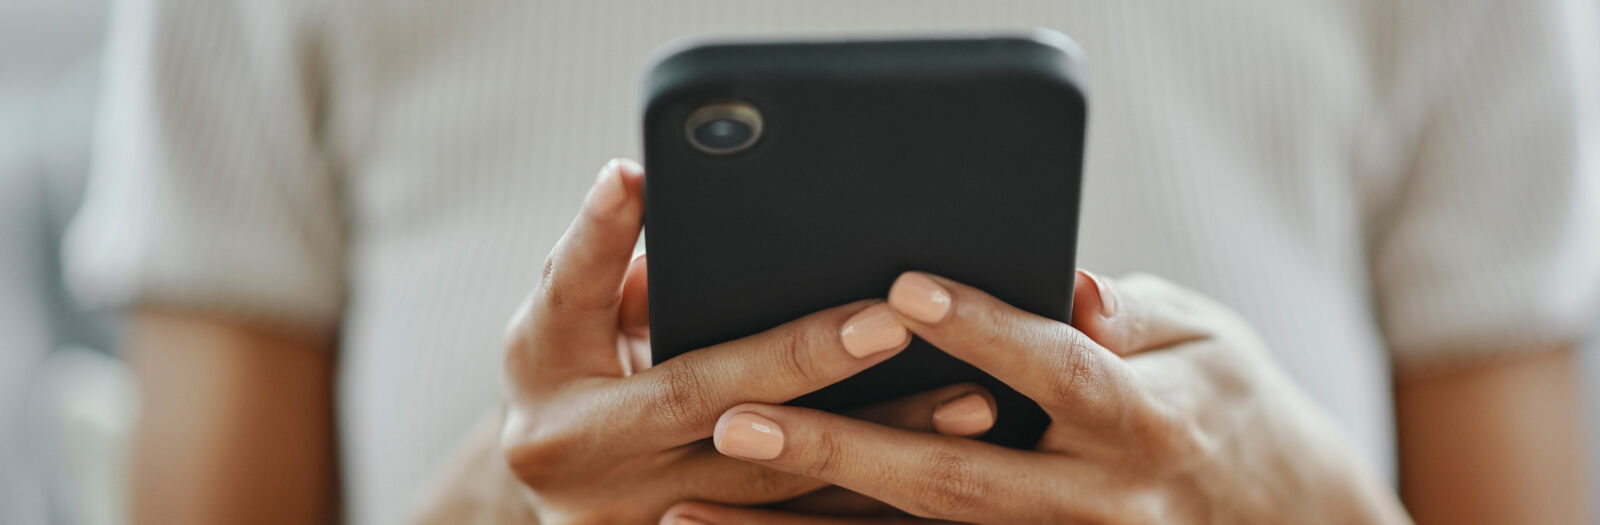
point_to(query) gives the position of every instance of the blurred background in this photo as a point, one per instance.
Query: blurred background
(66, 399)
(66, 402)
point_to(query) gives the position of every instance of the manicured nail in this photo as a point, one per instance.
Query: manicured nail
(968, 415)
(1108, 298)
(607, 194)
(918, 297)
(872, 330)
(750, 436)
(680, 520)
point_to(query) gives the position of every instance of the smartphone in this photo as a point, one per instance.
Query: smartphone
(786, 177)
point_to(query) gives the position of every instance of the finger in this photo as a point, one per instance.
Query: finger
(702, 472)
(634, 318)
(834, 501)
(928, 475)
(696, 513)
(1150, 314)
(691, 472)
(957, 410)
(707, 474)
(1067, 373)
(573, 310)
(678, 401)
(635, 311)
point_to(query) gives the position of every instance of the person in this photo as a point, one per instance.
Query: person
(321, 213)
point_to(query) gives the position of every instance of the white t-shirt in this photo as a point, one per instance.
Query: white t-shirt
(1368, 182)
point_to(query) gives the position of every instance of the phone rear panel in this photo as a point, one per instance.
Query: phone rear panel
(958, 157)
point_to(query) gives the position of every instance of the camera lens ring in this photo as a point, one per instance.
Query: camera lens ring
(723, 127)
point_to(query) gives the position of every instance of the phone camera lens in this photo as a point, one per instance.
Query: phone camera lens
(724, 127)
(723, 134)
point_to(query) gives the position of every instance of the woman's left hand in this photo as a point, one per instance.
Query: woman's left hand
(1166, 408)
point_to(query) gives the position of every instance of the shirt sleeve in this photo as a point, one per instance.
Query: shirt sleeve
(1493, 243)
(210, 189)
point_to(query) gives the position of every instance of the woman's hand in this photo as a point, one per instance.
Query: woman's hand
(1167, 408)
(596, 435)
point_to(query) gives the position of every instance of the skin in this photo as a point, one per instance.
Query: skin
(1495, 443)
(598, 436)
(229, 381)
(1166, 408)
(236, 426)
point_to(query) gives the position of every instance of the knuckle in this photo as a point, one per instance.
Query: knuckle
(824, 461)
(771, 482)
(549, 291)
(950, 488)
(681, 402)
(1080, 380)
(557, 296)
(1163, 434)
(541, 462)
(1166, 440)
(795, 350)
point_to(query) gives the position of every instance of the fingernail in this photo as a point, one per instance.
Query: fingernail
(629, 168)
(918, 297)
(967, 415)
(1108, 298)
(872, 330)
(680, 520)
(607, 194)
(750, 436)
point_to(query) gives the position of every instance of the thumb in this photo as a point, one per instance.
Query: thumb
(572, 313)
(1136, 313)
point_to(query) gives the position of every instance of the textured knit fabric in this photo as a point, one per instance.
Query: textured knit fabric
(1370, 183)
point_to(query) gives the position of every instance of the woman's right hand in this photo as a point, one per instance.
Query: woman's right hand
(597, 435)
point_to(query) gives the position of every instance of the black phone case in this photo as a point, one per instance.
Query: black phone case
(960, 157)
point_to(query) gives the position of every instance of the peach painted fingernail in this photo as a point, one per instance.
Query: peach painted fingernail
(920, 298)
(750, 436)
(607, 194)
(872, 330)
(680, 520)
(1108, 298)
(967, 415)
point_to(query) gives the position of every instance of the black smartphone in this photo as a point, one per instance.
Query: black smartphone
(785, 177)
